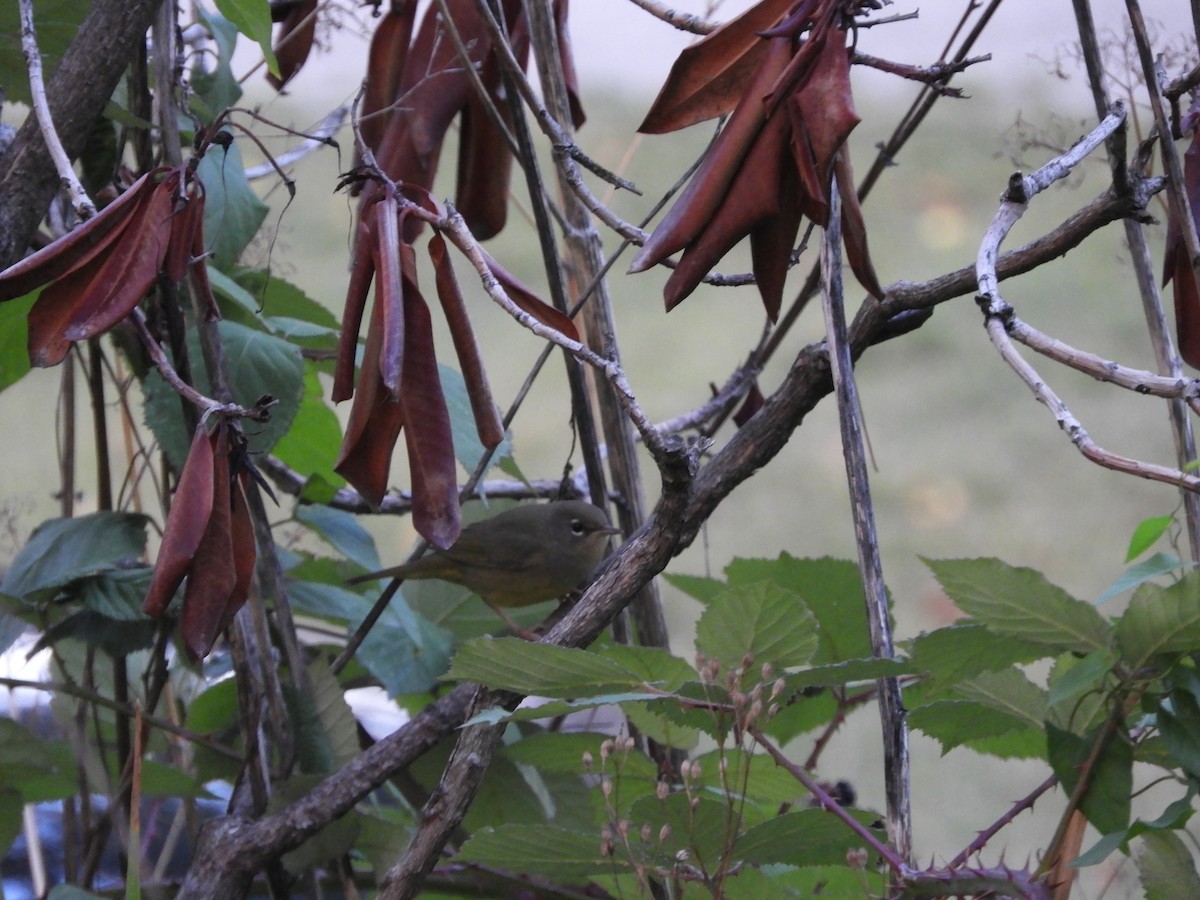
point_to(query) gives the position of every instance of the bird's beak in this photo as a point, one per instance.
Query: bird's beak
(608, 530)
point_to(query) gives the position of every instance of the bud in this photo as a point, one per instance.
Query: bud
(623, 829)
(777, 688)
(661, 790)
(606, 786)
(857, 858)
(681, 855)
(606, 749)
(747, 660)
(772, 710)
(664, 833)
(768, 671)
(756, 709)
(587, 761)
(695, 768)
(646, 832)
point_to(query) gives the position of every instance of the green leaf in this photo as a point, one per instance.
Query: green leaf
(232, 211)
(703, 828)
(117, 594)
(832, 591)
(467, 447)
(1166, 867)
(653, 665)
(70, 892)
(539, 849)
(405, 651)
(253, 19)
(1021, 602)
(1155, 567)
(556, 708)
(1178, 717)
(563, 752)
(14, 338)
(257, 364)
(848, 672)
(1145, 534)
(310, 446)
(697, 586)
(1009, 691)
(215, 89)
(966, 649)
(339, 729)
(1074, 677)
(215, 709)
(806, 837)
(1106, 801)
(525, 667)
(966, 723)
(1160, 621)
(56, 23)
(61, 551)
(762, 621)
(38, 769)
(342, 531)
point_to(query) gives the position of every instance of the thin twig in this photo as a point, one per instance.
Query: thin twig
(84, 208)
(893, 719)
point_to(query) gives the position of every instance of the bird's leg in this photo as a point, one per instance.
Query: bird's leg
(513, 626)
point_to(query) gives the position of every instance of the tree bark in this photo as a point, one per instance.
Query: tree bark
(80, 88)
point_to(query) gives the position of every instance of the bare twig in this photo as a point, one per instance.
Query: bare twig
(870, 566)
(997, 311)
(82, 203)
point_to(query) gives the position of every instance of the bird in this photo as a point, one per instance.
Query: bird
(524, 555)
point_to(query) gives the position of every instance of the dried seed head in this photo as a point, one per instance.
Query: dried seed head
(587, 761)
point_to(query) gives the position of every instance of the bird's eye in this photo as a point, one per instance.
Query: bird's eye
(576, 526)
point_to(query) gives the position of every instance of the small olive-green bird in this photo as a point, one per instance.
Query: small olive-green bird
(522, 556)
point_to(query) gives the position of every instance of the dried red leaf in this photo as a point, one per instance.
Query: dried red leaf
(385, 65)
(188, 222)
(187, 521)
(754, 198)
(362, 272)
(211, 577)
(709, 77)
(245, 554)
(483, 407)
(427, 433)
(294, 42)
(753, 403)
(99, 292)
(79, 246)
(365, 457)
(709, 187)
(529, 302)
(389, 291)
(854, 228)
(1177, 266)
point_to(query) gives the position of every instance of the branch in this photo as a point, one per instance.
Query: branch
(82, 203)
(77, 93)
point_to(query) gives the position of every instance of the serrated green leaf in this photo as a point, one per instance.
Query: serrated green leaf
(257, 364)
(14, 337)
(333, 841)
(653, 665)
(762, 621)
(253, 19)
(697, 586)
(966, 649)
(343, 532)
(334, 713)
(1160, 621)
(832, 591)
(1145, 534)
(233, 213)
(61, 551)
(1178, 718)
(215, 709)
(1106, 801)
(525, 667)
(702, 829)
(1008, 691)
(805, 837)
(39, 770)
(117, 594)
(1166, 868)
(1073, 677)
(1021, 602)
(966, 723)
(556, 708)
(539, 849)
(848, 672)
(1156, 566)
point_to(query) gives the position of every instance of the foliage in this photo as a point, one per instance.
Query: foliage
(209, 630)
